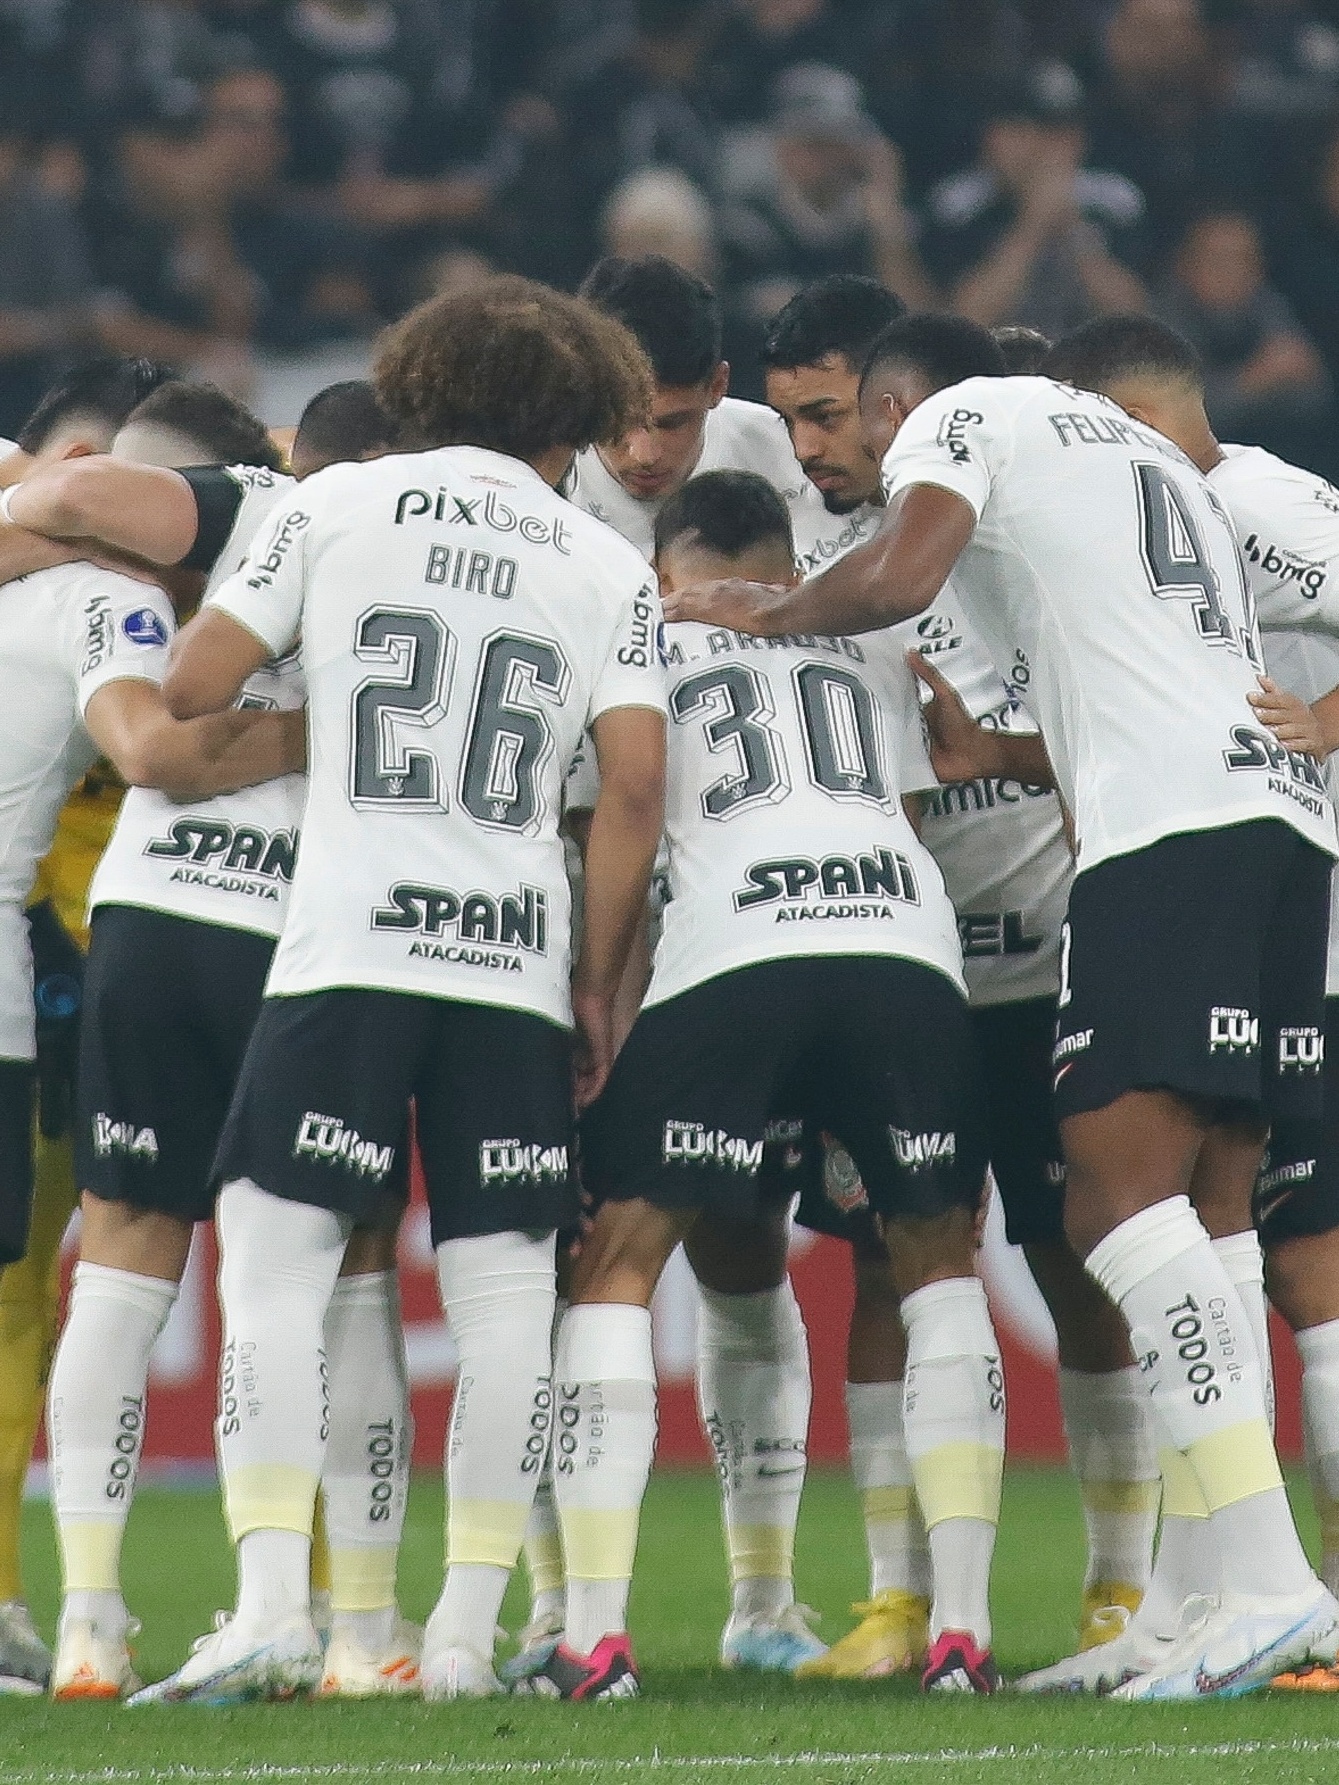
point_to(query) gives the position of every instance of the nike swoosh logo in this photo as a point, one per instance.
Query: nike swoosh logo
(1209, 1683)
(794, 1469)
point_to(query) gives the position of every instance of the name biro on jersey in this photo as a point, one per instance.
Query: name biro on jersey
(1292, 773)
(489, 511)
(514, 922)
(1288, 567)
(224, 857)
(884, 876)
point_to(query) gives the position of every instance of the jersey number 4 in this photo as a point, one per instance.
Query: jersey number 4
(837, 718)
(1179, 566)
(508, 740)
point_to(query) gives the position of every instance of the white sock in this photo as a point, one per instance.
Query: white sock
(899, 1556)
(1187, 1564)
(1201, 1367)
(497, 1291)
(753, 1394)
(604, 1439)
(279, 1262)
(95, 1418)
(1244, 1262)
(1318, 1347)
(366, 1480)
(1113, 1453)
(543, 1547)
(954, 1421)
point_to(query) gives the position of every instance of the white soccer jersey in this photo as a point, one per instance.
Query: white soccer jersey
(1000, 844)
(738, 436)
(1287, 521)
(227, 860)
(787, 761)
(64, 634)
(1104, 557)
(461, 625)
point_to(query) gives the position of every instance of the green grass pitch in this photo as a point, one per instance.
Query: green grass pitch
(694, 1723)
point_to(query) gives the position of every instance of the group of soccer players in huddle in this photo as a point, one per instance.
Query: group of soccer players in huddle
(670, 817)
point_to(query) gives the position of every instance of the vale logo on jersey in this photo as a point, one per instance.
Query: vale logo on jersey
(144, 627)
(833, 886)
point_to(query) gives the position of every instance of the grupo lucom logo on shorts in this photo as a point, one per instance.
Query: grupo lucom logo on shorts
(1233, 1030)
(693, 1143)
(326, 1141)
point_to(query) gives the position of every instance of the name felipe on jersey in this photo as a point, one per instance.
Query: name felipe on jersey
(486, 511)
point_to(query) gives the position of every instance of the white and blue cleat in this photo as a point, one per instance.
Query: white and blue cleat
(1237, 1645)
(775, 1643)
(230, 1667)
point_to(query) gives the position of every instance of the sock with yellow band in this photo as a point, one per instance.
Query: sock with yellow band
(279, 1261)
(954, 1414)
(1186, 1565)
(498, 1292)
(753, 1395)
(899, 1557)
(604, 1439)
(29, 1313)
(543, 1546)
(366, 1480)
(1199, 1362)
(1112, 1451)
(96, 1428)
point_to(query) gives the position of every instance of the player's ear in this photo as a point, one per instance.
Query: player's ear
(720, 383)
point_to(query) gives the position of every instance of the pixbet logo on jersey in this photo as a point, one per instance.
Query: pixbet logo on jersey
(1301, 1050)
(327, 1140)
(692, 1143)
(481, 511)
(1236, 1030)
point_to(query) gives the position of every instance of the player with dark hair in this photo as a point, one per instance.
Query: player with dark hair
(341, 423)
(1087, 543)
(1024, 349)
(1001, 846)
(786, 773)
(1285, 519)
(461, 627)
(81, 412)
(179, 419)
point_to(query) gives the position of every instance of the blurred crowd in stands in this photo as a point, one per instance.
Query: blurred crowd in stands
(201, 179)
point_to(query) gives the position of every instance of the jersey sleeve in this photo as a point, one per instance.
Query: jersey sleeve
(1288, 530)
(266, 594)
(633, 671)
(122, 633)
(956, 439)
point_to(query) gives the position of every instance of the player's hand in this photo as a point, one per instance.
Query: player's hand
(1290, 719)
(743, 607)
(960, 749)
(592, 1044)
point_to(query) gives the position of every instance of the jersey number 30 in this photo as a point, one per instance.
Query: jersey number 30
(508, 739)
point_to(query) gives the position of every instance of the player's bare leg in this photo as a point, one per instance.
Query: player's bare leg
(130, 1267)
(1132, 1168)
(954, 1420)
(604, 1439)
(753, 1394)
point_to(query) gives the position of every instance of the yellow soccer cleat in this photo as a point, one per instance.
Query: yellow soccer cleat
(1108, 1606)
(892, 1637)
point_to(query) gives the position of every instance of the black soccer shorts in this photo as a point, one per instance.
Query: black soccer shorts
(1298, 1197)
(885, 1052)
(169, 1005)
(321, 1113)
(17, 1078)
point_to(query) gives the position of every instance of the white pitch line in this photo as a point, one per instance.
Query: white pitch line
(657, 1762)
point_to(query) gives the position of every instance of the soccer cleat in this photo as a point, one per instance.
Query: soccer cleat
(1238, 1645)
(456, 1671)
(90, 1664)
(1316, 1678)
(25, 1660)
(892, 1637)
(537, 1642)
(955, 1664)
(1108, 1606)
(1124, 1656)
(607, 1673)
(777, 1644)
(228, 1667)
(350, 1671)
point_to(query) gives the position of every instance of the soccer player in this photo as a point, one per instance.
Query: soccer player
(1287, 521)
(461, 626)
(1001, 847)
(806, 919)
(342, 423)
(78, 415)
(199, 894)
(1091, 545)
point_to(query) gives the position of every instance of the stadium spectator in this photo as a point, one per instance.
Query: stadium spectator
(1029, 235)
(817, 191)
(1307, 257)
(1265, 383)
(661, 212)
(761, 39)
